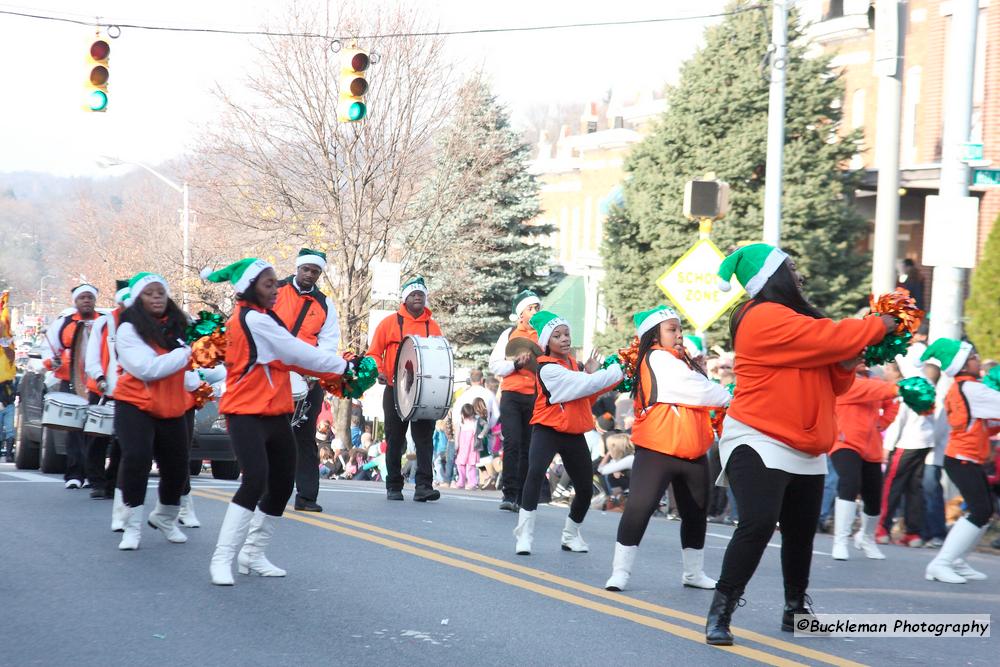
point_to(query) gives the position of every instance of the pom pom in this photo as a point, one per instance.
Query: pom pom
(900, 305)
(512, 317)
(992, 379)
(725, 285)
(205, 273)
(206, 324)
(918, 394)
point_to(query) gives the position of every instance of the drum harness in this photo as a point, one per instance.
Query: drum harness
(302, 407)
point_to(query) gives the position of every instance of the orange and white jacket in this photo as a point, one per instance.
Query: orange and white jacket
(521, 381)
(100, 348)
(61, 336)
(152, 379)
(260, 352)
(674, 417)
(566, 393)
(969, 404)
(310, 316)
(788, 373)
(391, 331)
(863, 412)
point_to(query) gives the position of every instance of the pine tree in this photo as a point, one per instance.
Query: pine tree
(984, 295)
(480, 198)
(716, 121)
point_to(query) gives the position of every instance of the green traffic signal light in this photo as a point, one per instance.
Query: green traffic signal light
(356, 111)
(97, 100)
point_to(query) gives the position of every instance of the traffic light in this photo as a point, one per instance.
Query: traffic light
(96, 97)
(353, 85)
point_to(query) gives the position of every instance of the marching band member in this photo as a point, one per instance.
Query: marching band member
(102, 376)
(791, 362)
(66, 356)
(260, 352)
(561, 416)
(150, 402)
(312, 317)
(517, 398)
(412, 318)
(672, 434)
(972, 410)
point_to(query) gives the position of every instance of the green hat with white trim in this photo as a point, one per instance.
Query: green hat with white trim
(121, 291)
(523, 299)
(753, 265)
(414, 284)
(141, 281)
(950, 352)
(695, 346)
(544, 323)
(646, 320)
(307, 256)
(240, 273)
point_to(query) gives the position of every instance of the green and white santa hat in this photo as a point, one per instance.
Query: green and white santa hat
(951, 353)
(646, 320)
(307, 256)
(695, 346)
(523, 299)
(141, 281)
(85, 288)
(121, 291)
(544, 323)
(414, 284)
(240, 273)
(753, 265)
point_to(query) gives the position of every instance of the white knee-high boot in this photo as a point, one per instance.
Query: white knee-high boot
(843, 519)
(252, 559)
(232, 534)
(571, 538)
(864, 539)
(524, 533)
(694, 569)
(132, 527)
(621, 567)
(164, 519)
(187, 517)
(962, 537)
(118, 512)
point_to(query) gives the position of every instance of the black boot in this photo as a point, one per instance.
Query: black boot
(796, 602)
(717, 631)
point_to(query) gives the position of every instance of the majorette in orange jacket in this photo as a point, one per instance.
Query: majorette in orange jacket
(99, 355)
(309, 316)
(61, 337)
(391, 331)
(863, 412)
(566, 393)
(787, 372)
(152, 378)
(970, 435)
(260, 352)
(522, 380)
(674, 415)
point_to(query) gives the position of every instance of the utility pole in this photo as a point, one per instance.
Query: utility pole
(776, 123)
(947, 291)
(890, 37)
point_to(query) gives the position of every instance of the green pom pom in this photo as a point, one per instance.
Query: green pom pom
(625, 386)
(887, 349)
(356, 384)
(206, 324)
(992, 379)
(731, 388)
(917, 393)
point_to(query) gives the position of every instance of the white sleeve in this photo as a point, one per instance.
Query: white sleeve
(624, 463)
(676, 383)
(984, 403)
(214, 374)
(191, 380)
(895, 430)
(92, 365)
(54, 346)
(329, 335)
(142, 362)
(499, 363)
(275, 343)
(565, 385)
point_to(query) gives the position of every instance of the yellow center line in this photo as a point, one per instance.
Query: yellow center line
(554, 593)
(618, 598)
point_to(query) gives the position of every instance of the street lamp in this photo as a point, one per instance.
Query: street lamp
(41, 295)
(106, 161)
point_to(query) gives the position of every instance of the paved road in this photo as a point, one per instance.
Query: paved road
(373, 583)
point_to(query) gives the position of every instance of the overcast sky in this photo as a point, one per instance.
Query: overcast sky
(161, 80)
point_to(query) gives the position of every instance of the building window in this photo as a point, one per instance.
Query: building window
(834, 10)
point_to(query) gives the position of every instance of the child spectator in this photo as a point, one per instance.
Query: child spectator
(467, 456)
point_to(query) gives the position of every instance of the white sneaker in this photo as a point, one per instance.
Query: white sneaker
(73, 484)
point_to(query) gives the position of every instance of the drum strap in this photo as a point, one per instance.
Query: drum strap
(306, 305)
(399, 321)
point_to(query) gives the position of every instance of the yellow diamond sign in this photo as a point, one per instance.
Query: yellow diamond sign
(692, 284)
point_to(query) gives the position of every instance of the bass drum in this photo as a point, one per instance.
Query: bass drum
(424, 378)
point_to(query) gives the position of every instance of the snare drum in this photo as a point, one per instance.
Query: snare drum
(63, 411)
(424, 378)
(300, 389)
(100, 420)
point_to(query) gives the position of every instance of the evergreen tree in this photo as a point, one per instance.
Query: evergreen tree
(981, 307)
(480, 198)
(716, 121)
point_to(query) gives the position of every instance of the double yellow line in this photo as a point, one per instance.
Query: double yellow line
(496, 569)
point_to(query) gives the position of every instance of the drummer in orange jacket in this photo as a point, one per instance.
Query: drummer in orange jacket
(412, 319)
(863, 412)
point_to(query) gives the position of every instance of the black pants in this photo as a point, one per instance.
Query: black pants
(906, 480)
(143, 439)
(76, 447)
(652, 473)
(422, 431)
(265, 449)
(515, 425)
(572, 448)
(766, 496)
(970, 478)
(307, 468)
(96, 447)
(717, 496)
(854, 476)
(189, 425)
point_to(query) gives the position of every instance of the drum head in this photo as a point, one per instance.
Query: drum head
(65, 398)
(406, 376)
(299, 387)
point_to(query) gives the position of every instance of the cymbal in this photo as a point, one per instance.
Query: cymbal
(516, 346)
